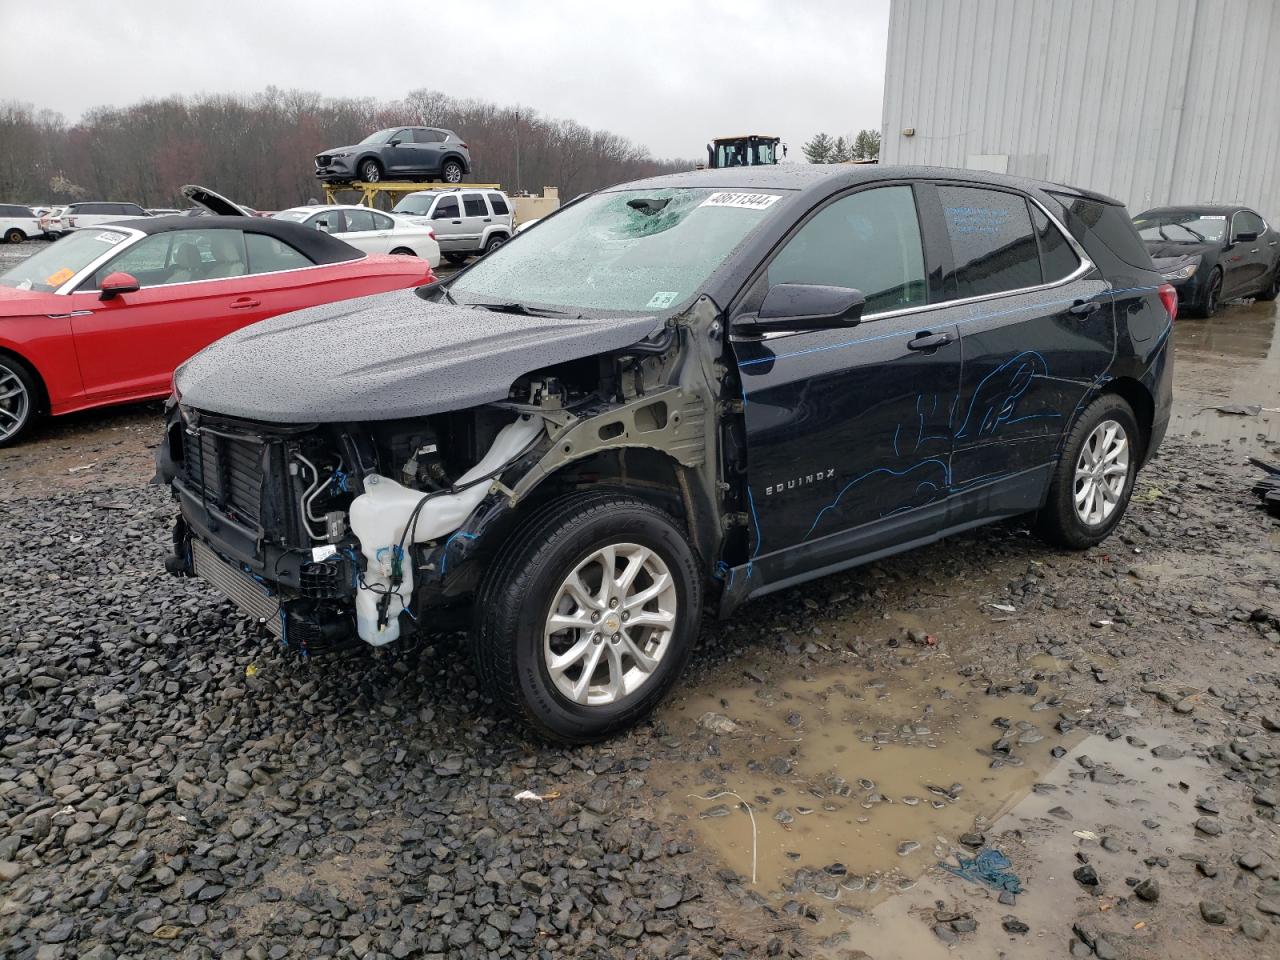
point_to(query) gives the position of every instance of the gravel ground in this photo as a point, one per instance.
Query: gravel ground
(172, 785)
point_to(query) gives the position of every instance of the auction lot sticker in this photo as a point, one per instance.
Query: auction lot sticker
(749, 201)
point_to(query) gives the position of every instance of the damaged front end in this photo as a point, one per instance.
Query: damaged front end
(331, 532)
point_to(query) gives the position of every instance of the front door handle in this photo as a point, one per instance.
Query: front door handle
(488, 219)
(242, 303)
(1084, 308)
(928, 341)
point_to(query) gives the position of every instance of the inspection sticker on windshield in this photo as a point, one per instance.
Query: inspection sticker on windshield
(1207, 217)
(663, 298)
(751, 201)
(109, 237)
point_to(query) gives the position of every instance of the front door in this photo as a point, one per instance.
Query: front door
(1248, 256)
(363, 233)
(848, 439)
(196, 288)
(446, 220)
(1036, 334)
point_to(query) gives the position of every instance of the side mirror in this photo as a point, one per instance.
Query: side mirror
(805, 306)
(1245, 236)
(393, 143)
(114, 284)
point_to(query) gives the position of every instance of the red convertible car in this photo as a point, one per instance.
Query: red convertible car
(104, 315)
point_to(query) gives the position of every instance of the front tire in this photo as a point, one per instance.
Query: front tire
(370, 171)
(14, 236)
(451, 172)
(1210, 301)
(589, 617)
(1093, 481)
(457, 259)
(19, 398)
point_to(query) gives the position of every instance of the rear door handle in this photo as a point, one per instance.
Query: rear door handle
(1084, 308)
(928, 341)
(242, 303)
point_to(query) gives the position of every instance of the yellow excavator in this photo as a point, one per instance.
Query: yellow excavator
(751, 150)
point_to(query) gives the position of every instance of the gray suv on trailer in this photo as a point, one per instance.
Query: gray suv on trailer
(398, 153)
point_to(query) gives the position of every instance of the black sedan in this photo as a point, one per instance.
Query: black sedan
(1212, 252)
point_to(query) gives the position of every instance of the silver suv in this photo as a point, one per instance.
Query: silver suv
(466, 221)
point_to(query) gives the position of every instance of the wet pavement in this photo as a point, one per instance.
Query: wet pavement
(1232, 360)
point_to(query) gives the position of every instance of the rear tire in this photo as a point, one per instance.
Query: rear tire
(553, 571)
(451, 172)
(14, 236)
(1089, 493)
(403, 252)
(20, 399)
(370, 171)
(494, 243)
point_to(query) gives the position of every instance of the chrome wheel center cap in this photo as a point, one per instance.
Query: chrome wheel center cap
(612, 623)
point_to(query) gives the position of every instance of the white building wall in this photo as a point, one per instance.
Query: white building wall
(1149, 101)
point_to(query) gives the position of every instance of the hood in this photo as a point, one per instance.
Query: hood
(349, 148)
(384, 357)
(1166, 264)
(215, 203)
(1160, 248)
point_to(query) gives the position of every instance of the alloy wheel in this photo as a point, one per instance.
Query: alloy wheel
(1102, 470)
(15, 402)
(371, 173)
(452, 173)
(610, 624)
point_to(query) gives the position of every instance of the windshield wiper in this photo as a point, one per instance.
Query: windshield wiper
(1183, 226)
(522, 309)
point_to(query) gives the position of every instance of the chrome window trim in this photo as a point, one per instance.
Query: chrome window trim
(1086, 266)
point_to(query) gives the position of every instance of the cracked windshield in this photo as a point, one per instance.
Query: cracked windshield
(633, 250)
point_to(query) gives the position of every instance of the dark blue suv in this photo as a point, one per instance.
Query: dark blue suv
(672, 396)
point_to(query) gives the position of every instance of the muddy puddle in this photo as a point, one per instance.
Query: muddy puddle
(1231, 361)
(857, 781)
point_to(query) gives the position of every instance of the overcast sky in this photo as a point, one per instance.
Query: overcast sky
(666, 74)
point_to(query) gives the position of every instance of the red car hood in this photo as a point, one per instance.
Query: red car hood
(24, 303)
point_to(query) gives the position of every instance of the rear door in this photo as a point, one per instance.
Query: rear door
(429, 146)
(1035, 335)
(501, 210)
(1249, 255)
(476, 218)
(446, 219)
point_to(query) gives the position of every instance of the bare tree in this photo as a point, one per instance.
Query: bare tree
(259, 148)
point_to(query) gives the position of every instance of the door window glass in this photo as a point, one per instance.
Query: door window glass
(382, 222)
(473, 204)
(427, 136)
(330, 221)
(991, 241)
(182, 256)
(499, 204)
(1247, 222)
(267, 254)
(446, 209)
(1057, 259)
(869, 241)
(359, 220)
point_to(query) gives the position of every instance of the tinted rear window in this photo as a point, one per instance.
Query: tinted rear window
(1108, 223)
(499, 204)
(992, 243)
